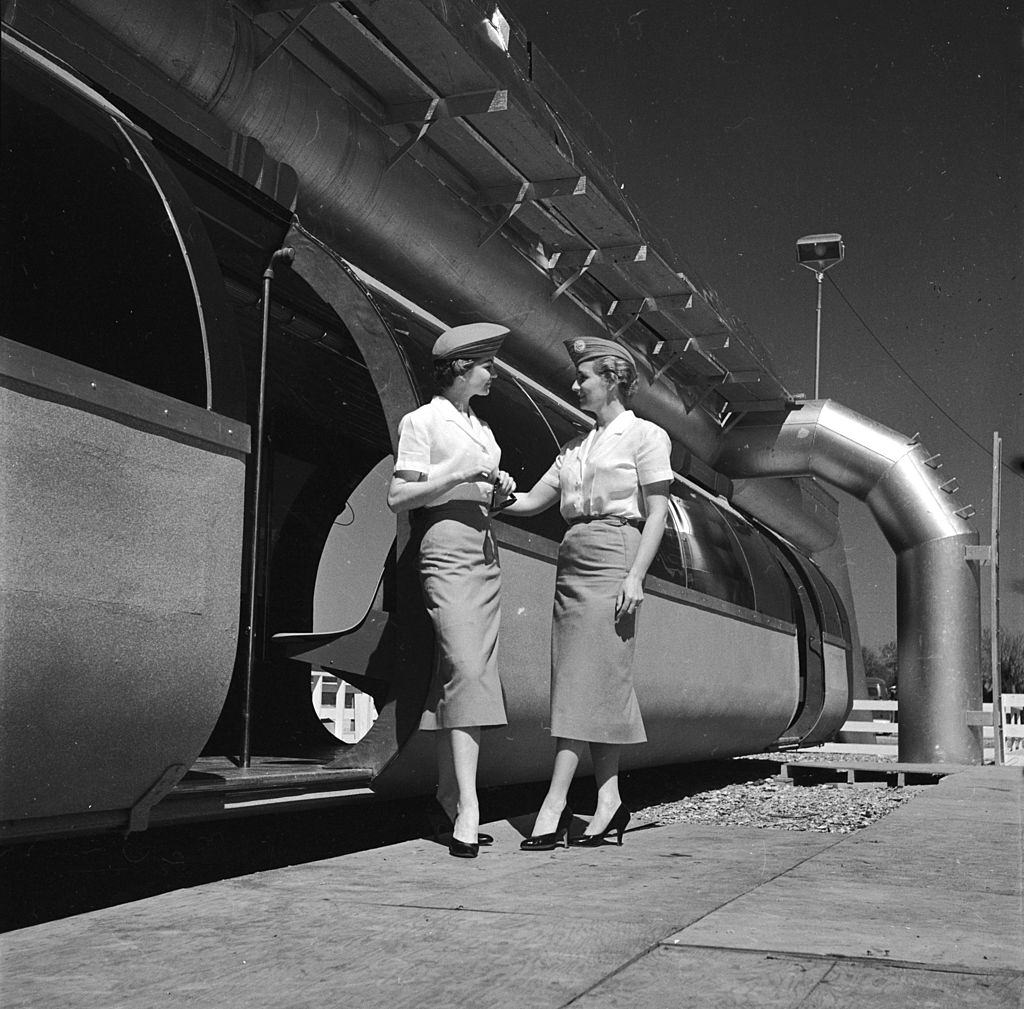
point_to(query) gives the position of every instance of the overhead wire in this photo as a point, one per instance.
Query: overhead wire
(913, 381)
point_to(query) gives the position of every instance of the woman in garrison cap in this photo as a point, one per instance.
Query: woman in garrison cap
(447, 472)
(612, 484)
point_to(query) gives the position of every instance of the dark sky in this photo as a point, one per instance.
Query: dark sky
(739, 127)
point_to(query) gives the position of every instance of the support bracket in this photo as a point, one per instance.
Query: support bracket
(429, 110)
(659, 303)
(138, 818)
(981, 554)
(470, 103)
(545, 189)
(592, 256)
(507, 216)
(285, 35)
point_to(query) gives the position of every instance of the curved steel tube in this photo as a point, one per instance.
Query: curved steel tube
(938, 613)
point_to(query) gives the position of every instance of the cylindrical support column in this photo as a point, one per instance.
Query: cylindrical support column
(938, 627)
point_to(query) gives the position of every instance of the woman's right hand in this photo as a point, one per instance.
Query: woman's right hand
(478, 474)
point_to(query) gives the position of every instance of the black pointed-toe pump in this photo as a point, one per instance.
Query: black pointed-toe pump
(442, 823)
(547, 842)
(461, 849)
(616, 825)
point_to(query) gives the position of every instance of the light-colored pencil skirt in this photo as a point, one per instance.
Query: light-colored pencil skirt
(461, 581)
(592, 695)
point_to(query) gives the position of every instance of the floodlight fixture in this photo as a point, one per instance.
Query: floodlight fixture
(819, 252)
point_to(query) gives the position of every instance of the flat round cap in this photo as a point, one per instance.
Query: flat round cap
(586, 348)
(475, 339)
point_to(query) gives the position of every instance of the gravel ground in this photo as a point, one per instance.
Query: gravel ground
(764, 801)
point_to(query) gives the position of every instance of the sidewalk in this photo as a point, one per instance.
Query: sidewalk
(924, 908)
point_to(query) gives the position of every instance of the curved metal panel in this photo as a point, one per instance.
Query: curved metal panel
(118, 641)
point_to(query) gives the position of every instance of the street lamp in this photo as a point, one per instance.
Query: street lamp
(819, 253)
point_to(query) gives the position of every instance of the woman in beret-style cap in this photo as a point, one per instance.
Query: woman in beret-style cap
(612, 485)
(446, 473)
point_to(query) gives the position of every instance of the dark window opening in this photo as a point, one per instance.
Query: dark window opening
(92, 269)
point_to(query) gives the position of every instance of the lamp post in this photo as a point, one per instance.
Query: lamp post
(819, 253)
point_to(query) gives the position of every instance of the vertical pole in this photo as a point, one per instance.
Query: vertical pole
(268, 275)
(997, 679)
(817, 339)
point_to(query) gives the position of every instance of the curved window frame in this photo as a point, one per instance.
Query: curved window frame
(221, 358)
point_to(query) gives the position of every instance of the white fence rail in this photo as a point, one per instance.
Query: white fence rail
(885, 723)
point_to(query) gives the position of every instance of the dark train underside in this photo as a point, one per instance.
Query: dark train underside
(132, 327)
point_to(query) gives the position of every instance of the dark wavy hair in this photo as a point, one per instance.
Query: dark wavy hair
(449, 369)
(620, 373)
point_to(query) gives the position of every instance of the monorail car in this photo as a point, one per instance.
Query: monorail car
(133, 688)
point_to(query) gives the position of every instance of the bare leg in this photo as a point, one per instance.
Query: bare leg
(465, 753)
(605, 757)
(447, 785)
(567, 759)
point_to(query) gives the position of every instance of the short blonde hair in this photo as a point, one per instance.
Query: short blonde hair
(618, 372)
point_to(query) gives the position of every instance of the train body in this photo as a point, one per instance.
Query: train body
(164, 603)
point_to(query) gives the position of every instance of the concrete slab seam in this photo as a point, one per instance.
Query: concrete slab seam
(764, 882)
(775, 954)
(607, 977)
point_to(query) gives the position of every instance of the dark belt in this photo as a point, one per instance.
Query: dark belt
(615, 520)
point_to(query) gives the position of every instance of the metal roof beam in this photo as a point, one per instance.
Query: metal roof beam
(613, 254)
(428, 110)
(546, 189)
(661, 303)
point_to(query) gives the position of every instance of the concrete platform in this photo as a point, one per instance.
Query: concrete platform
(922, 909)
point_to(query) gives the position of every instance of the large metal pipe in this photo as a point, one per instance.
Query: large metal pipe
(938, 614)
(399, 222)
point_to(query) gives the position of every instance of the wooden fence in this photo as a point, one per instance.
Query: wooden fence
(885, 723)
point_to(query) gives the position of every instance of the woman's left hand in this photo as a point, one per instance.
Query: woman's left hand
(504, 489)
(631, 595)
(505, 484)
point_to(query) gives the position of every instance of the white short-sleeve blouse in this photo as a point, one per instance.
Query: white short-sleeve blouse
(439, 438)
(603, 472)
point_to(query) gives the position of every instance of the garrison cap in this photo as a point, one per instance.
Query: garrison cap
(589, 347)
(475, 339)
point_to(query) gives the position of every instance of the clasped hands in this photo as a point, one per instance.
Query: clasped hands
(503, 483)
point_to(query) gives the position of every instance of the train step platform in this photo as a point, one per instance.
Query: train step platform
(922, 909)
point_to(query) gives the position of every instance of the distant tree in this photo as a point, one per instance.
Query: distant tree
(881, 662)
(1011, 661)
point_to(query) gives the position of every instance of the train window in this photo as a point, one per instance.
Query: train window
(699, 551)
(773, 594)
(92, 269)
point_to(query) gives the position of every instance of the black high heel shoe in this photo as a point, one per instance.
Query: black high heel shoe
(617, 824)
(548, 842)
(460, 849)
(442, 823)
